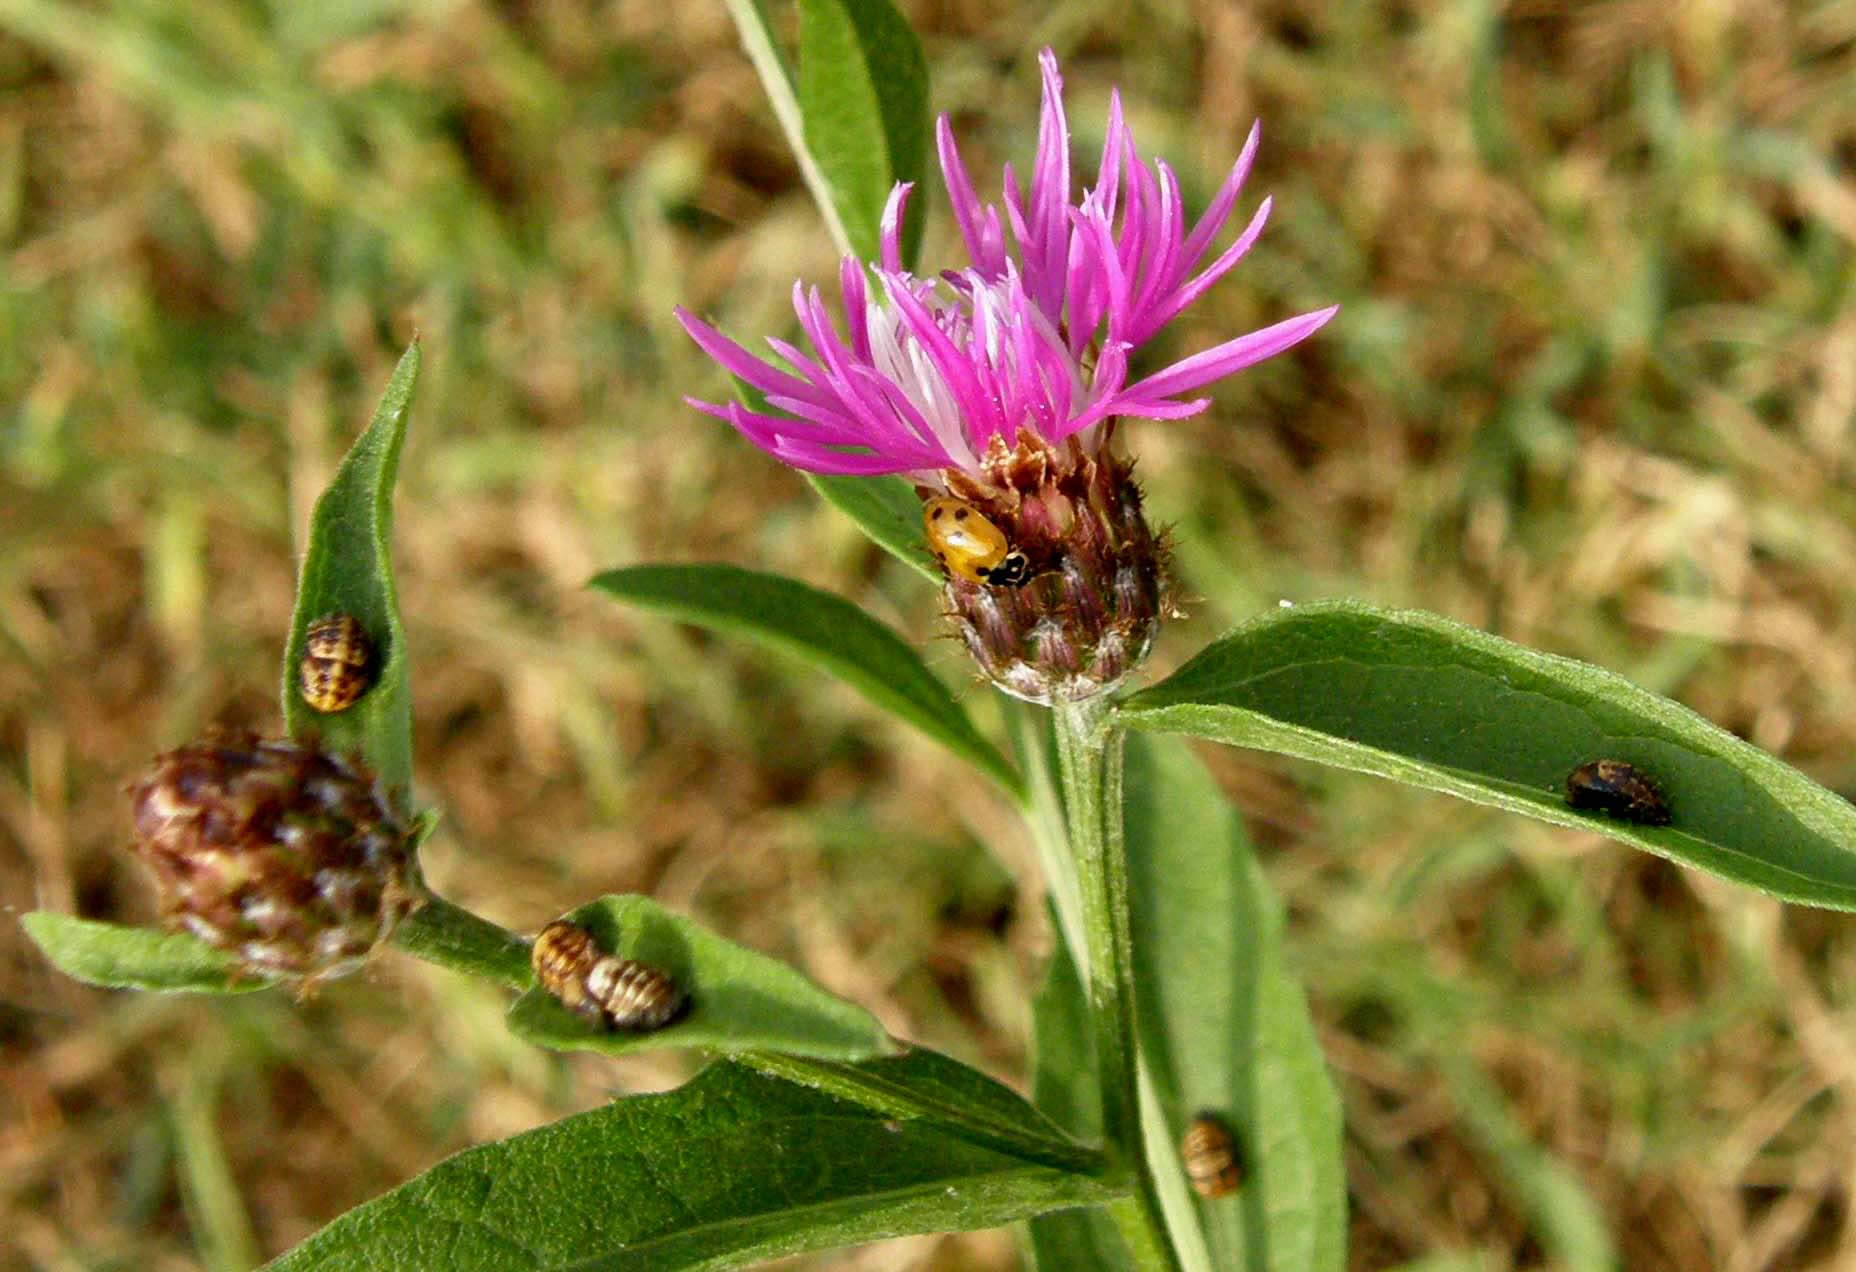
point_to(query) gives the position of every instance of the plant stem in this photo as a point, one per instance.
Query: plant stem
(451, 936)
(1089, 762)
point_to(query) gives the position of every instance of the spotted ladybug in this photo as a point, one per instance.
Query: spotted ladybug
(338, 663)
(1619, 790)
(971, 547)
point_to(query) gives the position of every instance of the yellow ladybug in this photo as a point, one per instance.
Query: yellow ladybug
(967, 544)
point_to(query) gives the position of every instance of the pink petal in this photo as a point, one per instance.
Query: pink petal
(736, 360)
(1207, 229)
(1225, 359)
(1182, 297)
(979, 225)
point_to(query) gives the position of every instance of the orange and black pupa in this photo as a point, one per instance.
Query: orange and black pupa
(1209, 1152)
(561, 957)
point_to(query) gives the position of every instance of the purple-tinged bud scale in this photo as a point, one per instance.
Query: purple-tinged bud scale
(1087, 613)
(289, 859)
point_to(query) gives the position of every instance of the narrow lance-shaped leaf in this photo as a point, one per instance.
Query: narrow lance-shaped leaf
(733, 1168)
(1432, 703)
(1224, 1028)
(348, 569)
(863, 99)
(857, 120)
(824, 630)
(739, 1000)
(117, 957)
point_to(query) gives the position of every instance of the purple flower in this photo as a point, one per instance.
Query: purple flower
(1036, 336)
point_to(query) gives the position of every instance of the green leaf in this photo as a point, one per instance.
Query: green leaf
(735, 1167)
(1063, 1072)
(739, 1000)
(763, 50)
(1432, 703)
(1077, 1241)
(348, 569)
(1224, 1027)
(825, 630)
(925, 1084)
(117, 957)
(863, 100)
(887, 510)
(1063, 1085)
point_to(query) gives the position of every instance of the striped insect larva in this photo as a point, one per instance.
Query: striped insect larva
(1210, 1155)
(634, 995)
(562, 956)
(337, 663)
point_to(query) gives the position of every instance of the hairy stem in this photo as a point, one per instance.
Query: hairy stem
(1089, 756)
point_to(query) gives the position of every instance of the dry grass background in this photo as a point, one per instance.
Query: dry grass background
(1593, 388)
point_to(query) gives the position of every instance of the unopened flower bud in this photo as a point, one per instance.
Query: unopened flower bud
(290, 859)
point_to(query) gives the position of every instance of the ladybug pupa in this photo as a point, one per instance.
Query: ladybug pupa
(561, 957)
(1208, 1151)
(633, 995)
(1617, 789)
(338, 663)
(605, 990)
(971, 547)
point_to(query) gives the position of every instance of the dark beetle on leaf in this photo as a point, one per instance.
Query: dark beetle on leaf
(1619, 790)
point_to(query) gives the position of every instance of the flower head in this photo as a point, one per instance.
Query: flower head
(288, 858)
(998, 387)
(933, 373)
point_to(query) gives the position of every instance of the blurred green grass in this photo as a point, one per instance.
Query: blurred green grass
(1593, 387)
